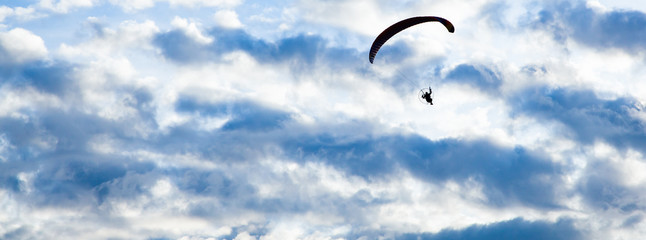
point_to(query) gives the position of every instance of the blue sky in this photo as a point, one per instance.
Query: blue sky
(235, 119)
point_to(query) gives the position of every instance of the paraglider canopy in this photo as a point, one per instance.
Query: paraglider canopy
(400, 26)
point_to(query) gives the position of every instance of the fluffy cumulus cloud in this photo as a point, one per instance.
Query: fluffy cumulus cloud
(227, 18)
(265, 120)
(20, 45)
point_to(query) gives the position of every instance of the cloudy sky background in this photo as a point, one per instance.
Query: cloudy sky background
(254, 119)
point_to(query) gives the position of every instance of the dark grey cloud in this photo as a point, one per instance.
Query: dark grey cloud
(179, 47)
(210, 183)
(481, 77)
(50, 77)
(508, 174)
(19, 233)
(303, 52)
(68, 172)
(70, 181)
(301, 49)
(513, 229)
(587, 117)
(72, 172)
(603, 187)
(622, 29)
(5, 56)
(244, 115)
(633, 220)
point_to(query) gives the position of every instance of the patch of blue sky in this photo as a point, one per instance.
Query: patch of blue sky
(10, 3)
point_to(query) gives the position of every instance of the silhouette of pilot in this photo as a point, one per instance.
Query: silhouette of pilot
(427, 96)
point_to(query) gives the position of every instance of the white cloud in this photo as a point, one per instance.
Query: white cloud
(227, 19)
(191, 29)
(63, 6)
(131, 5)
(610, 73)
(344, 14)
(5, 12)
(27, 13)
(617, 5)
(13, 100)
(209, 3)
(244, 236)
(112, 44)
(21, 45)
(20, 13)
(4, 147)
(377, 15)
(107, 67)
(135, 5)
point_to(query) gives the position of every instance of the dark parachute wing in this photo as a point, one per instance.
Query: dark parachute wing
(400, 26)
